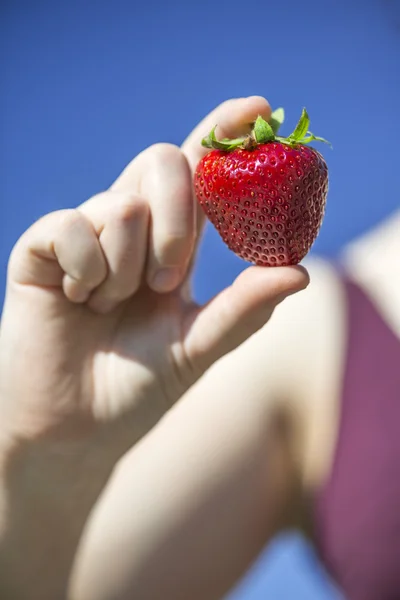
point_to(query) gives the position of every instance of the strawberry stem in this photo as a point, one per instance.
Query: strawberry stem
(264, 132)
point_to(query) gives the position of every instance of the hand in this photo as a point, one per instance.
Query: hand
(98, 337)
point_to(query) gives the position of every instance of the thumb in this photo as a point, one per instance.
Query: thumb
(239, 311)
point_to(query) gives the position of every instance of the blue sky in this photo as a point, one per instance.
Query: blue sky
(86, 85)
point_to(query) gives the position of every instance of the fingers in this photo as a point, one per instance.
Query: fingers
(62, 248)
(233, 117)
(153, 231)
(121, 222)
(162, 175)
(166, 182)
(239, 311)
(97, 253)
(143, 228)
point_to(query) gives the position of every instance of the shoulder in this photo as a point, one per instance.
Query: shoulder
(304, 343)
(373, 262)
(307, 327)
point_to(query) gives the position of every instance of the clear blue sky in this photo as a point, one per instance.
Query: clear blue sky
(86, 85)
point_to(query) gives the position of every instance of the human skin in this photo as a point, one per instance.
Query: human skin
(232, 463)
(243, 454)
(99, 338)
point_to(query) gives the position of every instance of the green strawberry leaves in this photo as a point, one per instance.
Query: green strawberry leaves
(302, 135)
(310, 137)
(264, 132)
(225, 144)
(301, 127)
(277, 119)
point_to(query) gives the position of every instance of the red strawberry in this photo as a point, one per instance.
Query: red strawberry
(265, 194)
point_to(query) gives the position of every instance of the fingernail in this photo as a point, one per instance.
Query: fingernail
(166, 279)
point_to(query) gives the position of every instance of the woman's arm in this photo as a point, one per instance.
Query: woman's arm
(190, 508)
(47, 490)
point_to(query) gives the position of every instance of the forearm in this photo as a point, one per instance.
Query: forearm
(190, 508)
(46, 494)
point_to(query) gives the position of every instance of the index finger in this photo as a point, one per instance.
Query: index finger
(233, 119)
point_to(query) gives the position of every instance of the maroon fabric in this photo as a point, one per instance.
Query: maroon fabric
(357, 515)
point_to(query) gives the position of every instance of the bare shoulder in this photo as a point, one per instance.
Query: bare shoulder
(295, 360)
(304, 343)
(373, 262)
(306, 327)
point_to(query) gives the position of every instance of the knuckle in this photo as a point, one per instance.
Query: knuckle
(14, 258)
(129, 207)
(164, 153)
(20, 246)
(68, 219)
(97, 198)
(56, 220)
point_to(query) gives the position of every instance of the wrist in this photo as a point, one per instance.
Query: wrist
(47, 490)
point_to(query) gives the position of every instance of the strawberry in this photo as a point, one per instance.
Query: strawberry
(265, 194)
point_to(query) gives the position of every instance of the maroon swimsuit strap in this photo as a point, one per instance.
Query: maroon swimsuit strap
(357, 516)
